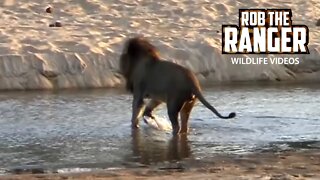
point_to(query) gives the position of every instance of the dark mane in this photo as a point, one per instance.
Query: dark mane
(136, 50)
(140, 47)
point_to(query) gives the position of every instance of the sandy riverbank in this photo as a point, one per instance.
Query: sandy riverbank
(84, 52)
(267, 165)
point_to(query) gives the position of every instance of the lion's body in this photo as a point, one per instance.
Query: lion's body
(157, 79)
(161, 81)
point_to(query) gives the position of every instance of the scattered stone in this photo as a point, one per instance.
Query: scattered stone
(295, 175)
(49, 10)
(56, 24)
(318, 22)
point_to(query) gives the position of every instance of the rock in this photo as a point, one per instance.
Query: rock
(56, 24)
(318, 22)
(49, 10)
(49, 74)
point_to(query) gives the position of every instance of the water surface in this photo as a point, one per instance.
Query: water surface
(91, 129)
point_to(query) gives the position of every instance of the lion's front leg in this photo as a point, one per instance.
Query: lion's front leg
(150, 107)
(137, 107)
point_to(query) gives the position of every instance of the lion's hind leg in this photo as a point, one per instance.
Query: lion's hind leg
(174, 106)
(185, 114)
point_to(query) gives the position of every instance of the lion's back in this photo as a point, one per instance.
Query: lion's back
(164, 75)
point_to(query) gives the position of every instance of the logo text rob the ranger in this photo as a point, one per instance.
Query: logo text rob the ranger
(265, 31)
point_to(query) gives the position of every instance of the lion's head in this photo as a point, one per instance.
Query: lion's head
(135, 50)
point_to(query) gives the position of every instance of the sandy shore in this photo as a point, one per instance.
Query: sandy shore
(84, 52)
(267, 165)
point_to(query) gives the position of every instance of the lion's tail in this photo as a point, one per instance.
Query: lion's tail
(199, 95)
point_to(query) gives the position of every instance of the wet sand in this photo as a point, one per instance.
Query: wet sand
(264, 165)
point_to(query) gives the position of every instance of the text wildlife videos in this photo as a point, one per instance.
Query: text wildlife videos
(265, 31)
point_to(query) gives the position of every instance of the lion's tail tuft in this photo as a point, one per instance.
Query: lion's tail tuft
(199, 95)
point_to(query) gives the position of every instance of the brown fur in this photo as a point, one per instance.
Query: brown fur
(147, 76)
(135, 50)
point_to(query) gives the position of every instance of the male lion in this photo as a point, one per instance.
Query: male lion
(147, 76)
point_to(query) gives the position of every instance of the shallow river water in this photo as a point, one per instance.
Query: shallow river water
(91, 128)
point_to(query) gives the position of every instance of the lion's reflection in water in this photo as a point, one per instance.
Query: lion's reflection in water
(149, 147)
